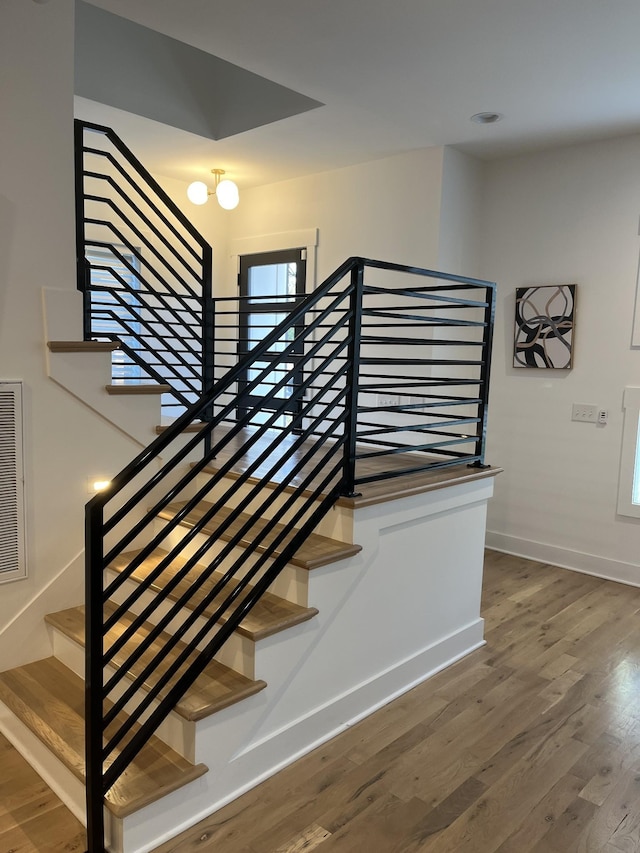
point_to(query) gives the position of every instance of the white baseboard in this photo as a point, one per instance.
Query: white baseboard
(565, 558)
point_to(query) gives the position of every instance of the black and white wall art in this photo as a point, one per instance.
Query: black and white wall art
(544, 328)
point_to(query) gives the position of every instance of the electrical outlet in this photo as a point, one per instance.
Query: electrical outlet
(584, 412)
(386, 400)
(603, 416)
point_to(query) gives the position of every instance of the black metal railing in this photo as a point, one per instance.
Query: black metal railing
(144, 270)
(363, 380)
(421, 366)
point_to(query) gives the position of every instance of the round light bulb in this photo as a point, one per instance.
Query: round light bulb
(227, 195)
(198, 192)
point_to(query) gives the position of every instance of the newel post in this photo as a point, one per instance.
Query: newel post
(93, 675)
(353, 377)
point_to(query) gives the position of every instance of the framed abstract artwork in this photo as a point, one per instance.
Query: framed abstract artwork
(545, 320)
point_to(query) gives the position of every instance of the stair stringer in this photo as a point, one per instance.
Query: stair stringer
(86, 375)
(417, 577)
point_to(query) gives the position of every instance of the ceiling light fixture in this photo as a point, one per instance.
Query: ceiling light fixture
(486, 118)
(224, 190)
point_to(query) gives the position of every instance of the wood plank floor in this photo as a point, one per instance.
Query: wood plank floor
(32, 818)
(529, 745)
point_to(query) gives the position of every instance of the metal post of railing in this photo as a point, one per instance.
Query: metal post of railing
(353, 377)
(489, 318)
(208, 326)
(208, 336)
(82, 266)
(93, 676)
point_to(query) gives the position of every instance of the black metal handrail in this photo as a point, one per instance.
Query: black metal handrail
(336, 354)
(144, 270)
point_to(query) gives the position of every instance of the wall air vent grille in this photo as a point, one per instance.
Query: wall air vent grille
(13, 564)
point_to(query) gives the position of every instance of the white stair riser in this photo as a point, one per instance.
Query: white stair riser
(237, 653)
(65, 785)
(337, 524)
(292, 583)
(175, 731)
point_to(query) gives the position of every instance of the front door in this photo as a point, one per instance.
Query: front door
(271, 285)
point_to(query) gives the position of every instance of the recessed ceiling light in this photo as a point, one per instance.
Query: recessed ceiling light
(486, 118)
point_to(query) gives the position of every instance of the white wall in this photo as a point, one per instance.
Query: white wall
(65, 443)
(460, 214)
(561, 217)
(388, 209)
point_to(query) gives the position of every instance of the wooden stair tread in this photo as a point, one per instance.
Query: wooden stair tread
(235, 474)
(49, 699)
(83, 346)
(194, 427)
(316, 551)
(216, 688)
(269, 616)
(405, 482)
(140, 388)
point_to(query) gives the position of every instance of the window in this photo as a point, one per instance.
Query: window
(109, 273)
(629, 479)
(272, 283)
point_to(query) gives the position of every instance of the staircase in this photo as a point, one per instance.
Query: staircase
(46, 698)
(231, 622)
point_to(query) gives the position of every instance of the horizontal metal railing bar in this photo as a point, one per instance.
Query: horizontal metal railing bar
(393, 450)
(372, 360)
(162, 378)
(415, 321)
(367, 429)
(143, 216)
(458, 305)
(106, 308)
(420, 271)
(125, 241)
(416, 469)
(385, 340)
(397, 382)
(279, 298)
(440, 430)
(147, 178)
(441, 397)
(140, 193)
(185, 299)
(170, 373)
(430, 295)
(146, 297)
(170, 367)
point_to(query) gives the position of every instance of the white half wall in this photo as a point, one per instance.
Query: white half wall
(460, 213)
(565, 216)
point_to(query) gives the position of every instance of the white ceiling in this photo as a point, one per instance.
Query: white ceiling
(395, 75)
